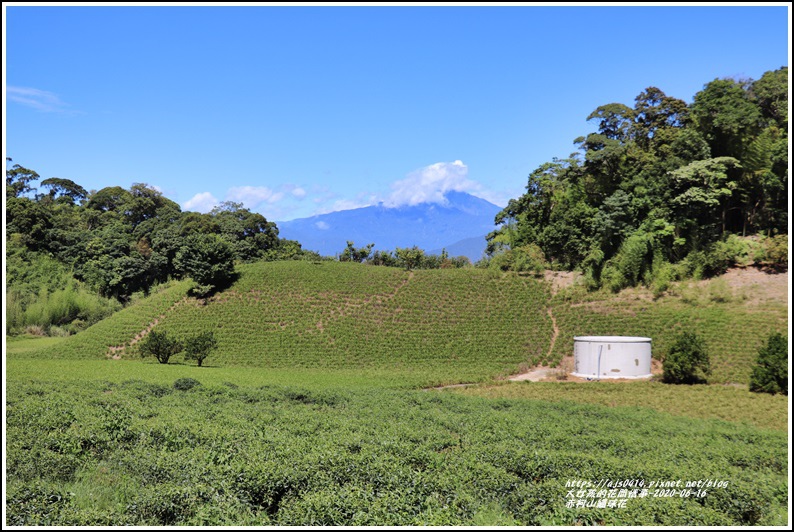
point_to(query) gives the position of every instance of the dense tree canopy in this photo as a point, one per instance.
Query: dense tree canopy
(660, 183)
(115, 242)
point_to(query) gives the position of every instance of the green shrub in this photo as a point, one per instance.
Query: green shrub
(410, 258)
(160, 346)
(770, 374)
(732, 251)
(526, 258)
(687, 362)
(530, 258)
(719, 291)
(612, 278)
(664, 274)
(707, 263)
(186, 383)
(774, 252)
(634, 258)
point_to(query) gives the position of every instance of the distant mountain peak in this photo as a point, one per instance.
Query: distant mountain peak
(429, 225)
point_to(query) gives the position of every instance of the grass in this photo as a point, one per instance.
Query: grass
(727, 403)
(25, 345)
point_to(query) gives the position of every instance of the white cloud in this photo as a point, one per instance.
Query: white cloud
(322, 225)
(40, 100)
(201, 202)
(298, 192)
(347, 205)
(429, 184)
(253, 196)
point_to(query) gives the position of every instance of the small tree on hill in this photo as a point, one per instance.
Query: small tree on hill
(198, 347)
(410, 257)
(770, 374)
(160, 346)
(688, 361)
(354, 254)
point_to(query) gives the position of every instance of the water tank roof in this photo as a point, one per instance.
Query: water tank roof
(611, 339)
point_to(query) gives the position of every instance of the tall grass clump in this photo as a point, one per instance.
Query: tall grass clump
(71, 308)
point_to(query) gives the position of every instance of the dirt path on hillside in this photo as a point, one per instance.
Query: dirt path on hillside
(115, 351)
(752, 286)
(540, 373)
(401, 285)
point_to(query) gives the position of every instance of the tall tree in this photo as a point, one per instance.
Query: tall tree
(208, 260)
(771, 94)
(18, 180)
(726, 116)
(65, 189)
(703, 190)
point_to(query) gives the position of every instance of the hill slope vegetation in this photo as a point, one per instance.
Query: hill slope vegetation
(467, 324)
(452, 325)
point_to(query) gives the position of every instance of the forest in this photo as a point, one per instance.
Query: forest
(75, 256)
(662, 190)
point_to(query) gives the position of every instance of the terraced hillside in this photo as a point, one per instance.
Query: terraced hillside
(734, 320)
(105, 337)
(465, 323)
(307, 417)
(448, 325)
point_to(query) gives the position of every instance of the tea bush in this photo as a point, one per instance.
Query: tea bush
(303, 455)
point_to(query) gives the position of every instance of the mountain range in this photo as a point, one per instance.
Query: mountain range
(459, 225)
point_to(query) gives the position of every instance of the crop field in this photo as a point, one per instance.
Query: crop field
(459, 325)
(728, 403)
(317, 410)
(89, 451)
(462, 325)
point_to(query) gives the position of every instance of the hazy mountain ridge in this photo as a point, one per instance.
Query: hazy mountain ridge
(431, 226)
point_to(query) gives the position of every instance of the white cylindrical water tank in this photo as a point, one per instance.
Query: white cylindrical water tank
(612, 357)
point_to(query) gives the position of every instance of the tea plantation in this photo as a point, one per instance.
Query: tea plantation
(732, 329)
(143, 453)
(459, 325)
(312, 410)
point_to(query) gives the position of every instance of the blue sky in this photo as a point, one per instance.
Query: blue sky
(301, 110)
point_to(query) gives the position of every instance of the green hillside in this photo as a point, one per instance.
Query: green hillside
(450, 325)
(120, 328)
(303, 415)
(463, 324)
(733, 325)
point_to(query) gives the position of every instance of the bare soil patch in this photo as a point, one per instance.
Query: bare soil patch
(562, 373)
(560, 280)
(759, 285)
